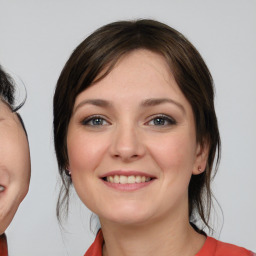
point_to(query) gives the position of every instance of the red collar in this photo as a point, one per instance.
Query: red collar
(96, 248)
(211, 247)
(3, 245)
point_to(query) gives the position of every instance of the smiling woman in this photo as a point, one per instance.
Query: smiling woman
(14, 158)
(136, 134)
(132, 138)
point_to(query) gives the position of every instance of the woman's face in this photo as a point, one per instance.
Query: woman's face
(14, 165)
(132, 144)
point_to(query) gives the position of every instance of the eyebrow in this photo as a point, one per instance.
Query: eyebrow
(146, 103)
(159, 101)
(95, 102)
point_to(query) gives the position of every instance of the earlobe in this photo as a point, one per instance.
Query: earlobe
(68, 171)
(201, 159)
(198, 170)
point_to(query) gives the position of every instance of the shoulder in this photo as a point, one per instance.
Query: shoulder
(218, 248)
(232, 250)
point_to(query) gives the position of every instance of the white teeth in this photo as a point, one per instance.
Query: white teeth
(123, 179)
(131, 179)
(127, 179)
(138, 179)
(1, 188)
(116, 179)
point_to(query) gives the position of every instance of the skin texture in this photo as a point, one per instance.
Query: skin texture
(14, 165)
(129, 137)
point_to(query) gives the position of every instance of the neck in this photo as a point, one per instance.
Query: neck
(171, 237)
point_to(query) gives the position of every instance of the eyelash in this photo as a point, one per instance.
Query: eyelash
(89, 119)
(161, 118)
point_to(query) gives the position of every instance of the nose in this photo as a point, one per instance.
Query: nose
(127, 144)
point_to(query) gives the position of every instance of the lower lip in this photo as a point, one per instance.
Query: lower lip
(128, 187)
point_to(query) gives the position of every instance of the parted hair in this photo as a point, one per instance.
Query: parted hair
(96, 56)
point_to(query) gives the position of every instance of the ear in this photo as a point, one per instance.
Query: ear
(202, 153)
(68, 172)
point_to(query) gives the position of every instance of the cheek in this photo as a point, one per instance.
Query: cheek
(84, 153)
(14, 155)
(175, 156)
(175, 153)
(15, 158)
(21, 168)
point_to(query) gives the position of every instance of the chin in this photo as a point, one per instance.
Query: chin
(126, 216)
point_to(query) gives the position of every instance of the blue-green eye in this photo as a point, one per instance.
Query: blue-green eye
(161, 120)
(94, 121)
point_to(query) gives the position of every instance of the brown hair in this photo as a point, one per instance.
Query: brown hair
(100, 51)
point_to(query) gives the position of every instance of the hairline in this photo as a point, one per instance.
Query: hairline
(16, 113)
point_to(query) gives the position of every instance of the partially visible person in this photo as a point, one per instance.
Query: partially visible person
(14, 157)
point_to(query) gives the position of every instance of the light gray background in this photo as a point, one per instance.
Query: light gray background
(36, 38)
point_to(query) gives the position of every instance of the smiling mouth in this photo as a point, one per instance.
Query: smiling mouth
(122, 179)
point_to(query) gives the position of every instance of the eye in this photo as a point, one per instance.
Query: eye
(95, 121)
(161, 120)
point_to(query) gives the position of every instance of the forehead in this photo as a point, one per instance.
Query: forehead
(7, 116)
(5, 107)
(141, 72)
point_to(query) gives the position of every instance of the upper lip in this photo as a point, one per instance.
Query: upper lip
(127, 173)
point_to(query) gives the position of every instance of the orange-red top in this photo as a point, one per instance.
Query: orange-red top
(3, 245)
(96, 247)
(211, 247)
